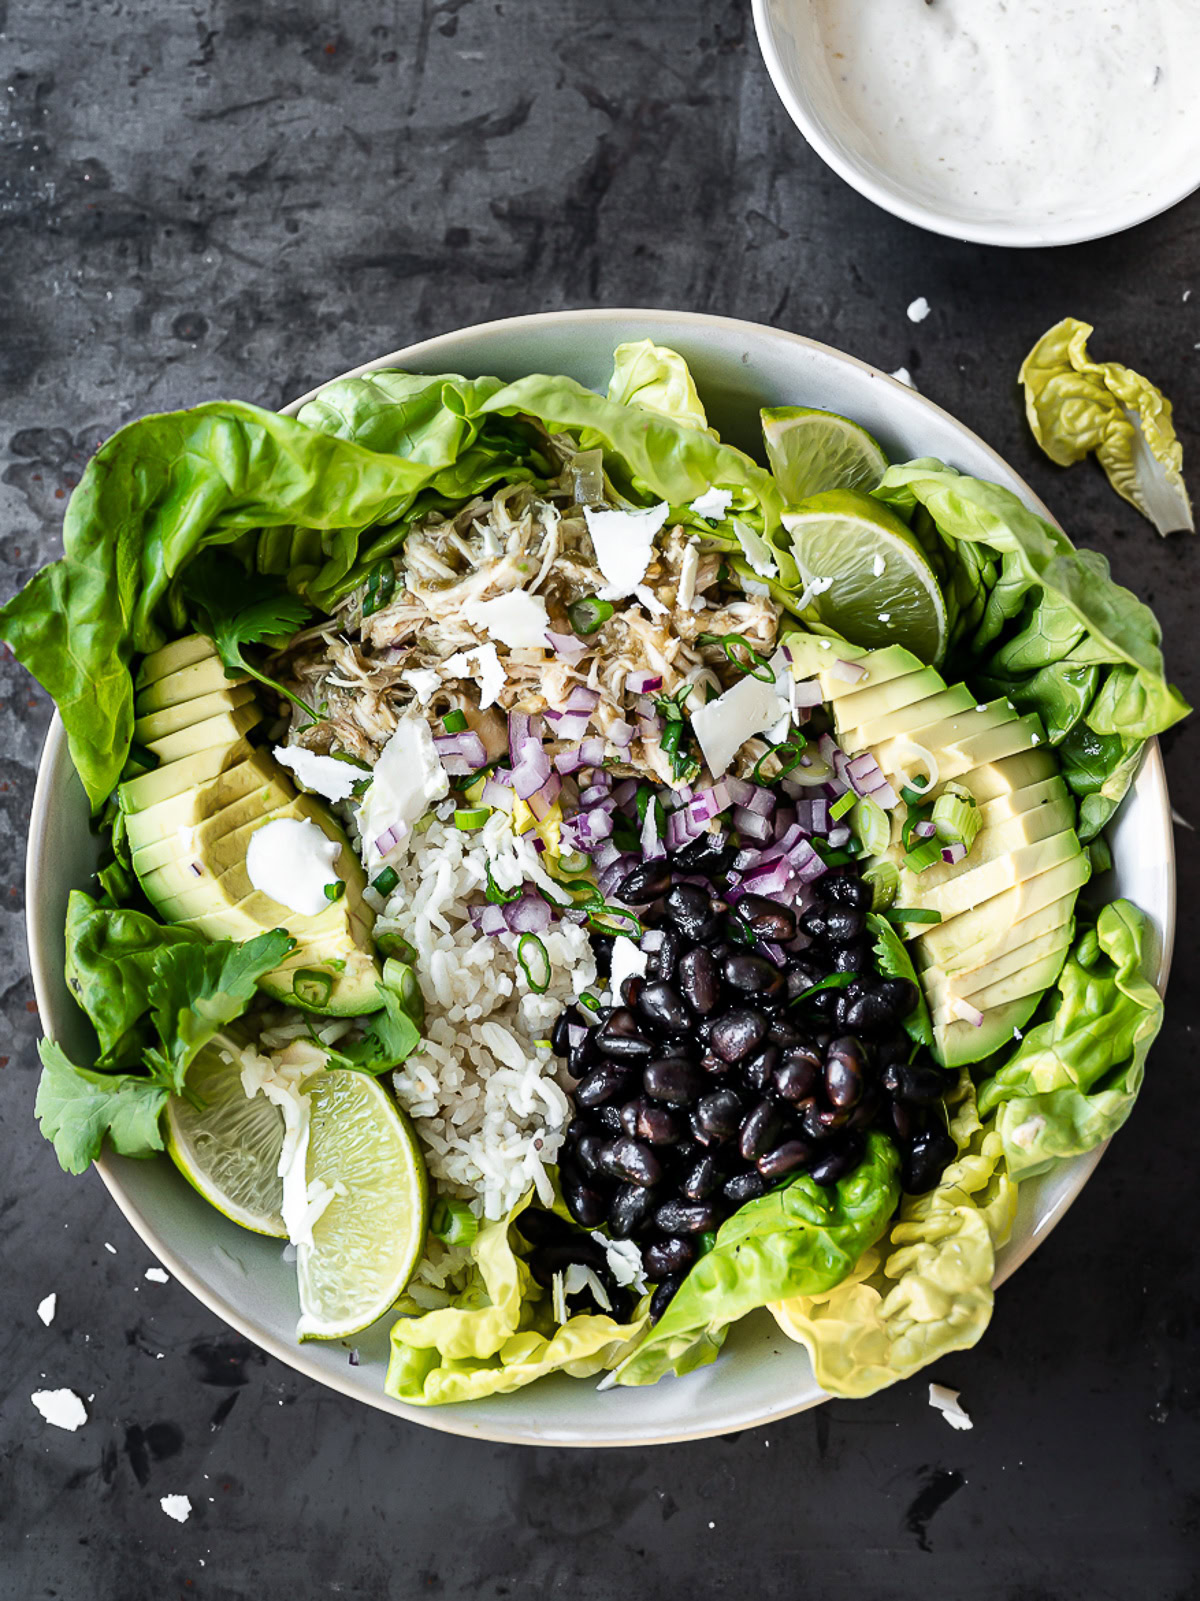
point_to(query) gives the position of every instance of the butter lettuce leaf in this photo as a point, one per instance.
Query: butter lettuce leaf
(1077, 406)
(800, 1239)
(924, 1290)
(500, 1334)
(650, 375)
(1054, 634)
(1073, 1080)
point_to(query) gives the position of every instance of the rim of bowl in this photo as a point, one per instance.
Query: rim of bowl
(1011, 233)
(41, 939)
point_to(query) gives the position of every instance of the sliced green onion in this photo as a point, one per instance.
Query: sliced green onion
(535, 962)
(924, 855)
(498, 896)
(454, 722)
(842, 805)
(872, 826)
(385, 882)
(912, 914)
(335, 891)
(957, 817)
(787, 763)
(754, 666)
(586, 615)
(310, 987)
(401, 979)
(453, 1222)
(381, 582)
(884, 879)
(705, 1241)
(911, 794)
(468, 817)
(835, 981)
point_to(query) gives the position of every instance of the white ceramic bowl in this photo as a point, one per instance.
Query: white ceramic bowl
(797, 59)
(242, 1277)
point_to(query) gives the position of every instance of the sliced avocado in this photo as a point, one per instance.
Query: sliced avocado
(189, 683)
(324, 946)
(945, 740)
(1018, 771)
(967, 939)
(176, 778)
(983, 986)
(210, 836)
(152, 825)
(966, 890)
(1027, 937)
(911, 721)
(869, 700)
(957, 1044)
(223, 729)
(172, 658)
(1002, 839)
(1015, 801)
(186, 712)
(813, 656)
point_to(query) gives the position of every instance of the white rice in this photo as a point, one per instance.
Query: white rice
(487, 1099)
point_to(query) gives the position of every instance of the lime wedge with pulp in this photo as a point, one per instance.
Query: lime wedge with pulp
(369, 1239)
(229, 1148)
(866, 576)
(812, 451)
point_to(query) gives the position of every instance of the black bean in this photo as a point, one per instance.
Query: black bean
(662, 961)
(663, 1295)
(845, 890)
(927, 1156)
(544, 1228)
(657, 1125)
(824, 1003)
(565, 1021)
(709, 853)
(649, 881)
(609, 1119)
(585, 1204)
(852, 958)
(758, 1070)
(903, 1120)
(753, 975)
(738, 1033)
(921, 1084)
(868, 1013)
(602, 949)
(798, 1075)
(901, 995)
(556, 1255)
(836, 1162)
(786, 1031)
(675, 1082)
(701, 1178)
(720, 1113)
(672, 1255)
(698, 980)
(663, 1008)
(691, 910)
(801, 976)
(685, 1217)
(630, 1207)
(744, 1187)
(784, 1158)
(767, 919)
(842, 924)
(582, 1056)
(602, 1083)
(760, 1131)
(590, 1150)
(713, 1064)
(633, 1161)
(812, 922)
(845, 1064)
(818, 1122)
(621, 1036)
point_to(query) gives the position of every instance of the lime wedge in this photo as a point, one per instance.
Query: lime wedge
(229, 1150)
(368, 1241)
(867, 577)
(812, 451)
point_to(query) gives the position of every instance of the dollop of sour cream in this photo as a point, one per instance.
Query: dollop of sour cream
(1018, 107)
(291, 860)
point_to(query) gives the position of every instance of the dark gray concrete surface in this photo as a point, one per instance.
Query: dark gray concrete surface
(237, 198)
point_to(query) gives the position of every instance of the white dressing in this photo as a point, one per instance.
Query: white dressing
(1019, 107)
(406, 780)
(324, 775)
(291, 860)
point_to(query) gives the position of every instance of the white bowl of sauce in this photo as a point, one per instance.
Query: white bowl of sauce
(1009, 122)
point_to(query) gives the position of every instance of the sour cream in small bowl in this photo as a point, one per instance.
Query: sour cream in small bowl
(1008, 122)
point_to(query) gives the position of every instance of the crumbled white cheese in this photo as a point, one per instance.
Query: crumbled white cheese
(157, 1275)
(558, 1298)
(47, 1308)
(755, 549)
(877, 565)
(918, 309)
(627, 961)
(885, 617)
(1017, 1035)
(279, 1078)
(1035, 739)
(483, 664)
(178, 1507)
(62, 1408)
(946, 1402)
(624, 1262)
(111, 1249)
(324, 775)
(903, 376)
(292, 860)
(688, 569)
(752, 586)
(751, 707)
(578, 1278)
(713, 504)
(408, 778)
(1027, 1132)
(623, 541)
(649, 600)
(423, 681)
(518, 619)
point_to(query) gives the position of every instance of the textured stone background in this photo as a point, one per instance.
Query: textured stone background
(241, 197)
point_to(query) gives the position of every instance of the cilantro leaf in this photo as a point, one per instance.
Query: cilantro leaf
(238, 608)
(77, 1108)
(392, 1034)
(891, 955)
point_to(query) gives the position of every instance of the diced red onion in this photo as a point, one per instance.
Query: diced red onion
(653, 849)
(605, 855)
(461, 753)
(568, 725)
(592, 751)
(966, 1013)
(806, 693)
(620, 732)
(594, 794)
(489, 919)
(807, 863)
(569, 646)
(531, 767)
(750, 825)
(520, 726)
(576, 1034)
(543, 799)
(583, 699)
(529, 915)
(570, 760)
(771, 879)
(746, 858)
(389, 838)
(776, 952)
(885, 796)
(761, 801)
(709, 803)
(497, 794)
(848, 672)
(954, 853)
(681, 829)
(784, 819)
(684, 793)
(613, 876)
(740, 792)
(649, 727)
(652, 940)
(642, 682)
(626, 792)
(926, 829)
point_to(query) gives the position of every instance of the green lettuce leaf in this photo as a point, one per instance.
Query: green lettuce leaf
(1073, 1080)
(800, 1239)
(926, 1289)
(499, 1335)
(1054, 634)
(1077, 406)
(650, 375)
(893, 961)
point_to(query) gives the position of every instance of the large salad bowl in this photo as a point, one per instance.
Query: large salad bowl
(245, 1279)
